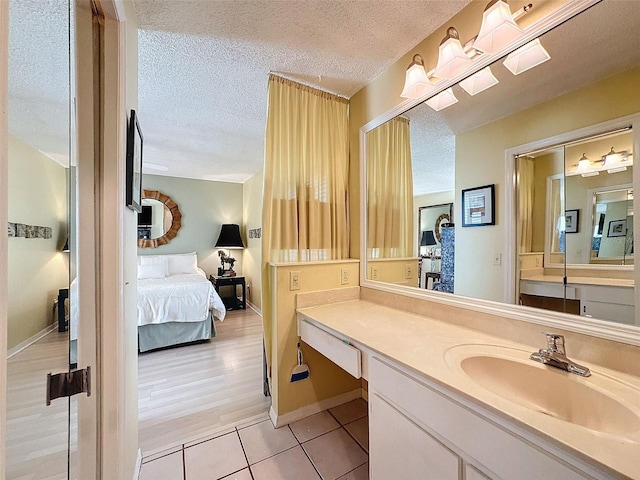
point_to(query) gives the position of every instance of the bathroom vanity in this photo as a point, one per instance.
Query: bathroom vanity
(447, 402)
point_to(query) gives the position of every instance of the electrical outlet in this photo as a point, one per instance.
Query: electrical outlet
(408, 271)
(344, 276)
(294, 280)
(497, 259)
(374, 273)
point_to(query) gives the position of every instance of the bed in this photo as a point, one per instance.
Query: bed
(176, 302)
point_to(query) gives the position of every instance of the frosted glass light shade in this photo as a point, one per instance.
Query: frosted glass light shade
(479, 81)
(452, 60)
(584, 163)
(416, 82)
(442, 100)
(498, 28)
(526, 57)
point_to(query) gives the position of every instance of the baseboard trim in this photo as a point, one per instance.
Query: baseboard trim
(290, 417)
(136, 471)
(254, 308)
(31, 340)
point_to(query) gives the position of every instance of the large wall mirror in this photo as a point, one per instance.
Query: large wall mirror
(563, 173)
(159, 221)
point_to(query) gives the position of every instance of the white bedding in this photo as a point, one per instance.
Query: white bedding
(185, 297)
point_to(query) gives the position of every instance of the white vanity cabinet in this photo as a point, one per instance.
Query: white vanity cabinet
(418, 432)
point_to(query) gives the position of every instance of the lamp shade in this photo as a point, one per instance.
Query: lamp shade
(416, 83)
(498, 28)
(229, 237)
(479, 81)
(427, 238)
(526, 57)
(452, 60)
(442, 100)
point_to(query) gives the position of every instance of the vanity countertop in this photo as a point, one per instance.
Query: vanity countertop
(600, 281)
(421, 344)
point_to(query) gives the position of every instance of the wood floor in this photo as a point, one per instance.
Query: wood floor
(188, 392)
(185, 393)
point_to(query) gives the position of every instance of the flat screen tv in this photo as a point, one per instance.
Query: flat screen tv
(145, 217)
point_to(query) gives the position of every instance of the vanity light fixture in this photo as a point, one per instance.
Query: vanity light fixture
(590, 174)
(452, 60)
(617, 169)
(416, 83)
(443, 100)
(526, 57)
(479, 81)
(498, 27)
(614, 157)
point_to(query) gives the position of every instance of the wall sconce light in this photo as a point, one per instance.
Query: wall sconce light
(526, 57)
(452, 60)
(416, 83)
(443, 100)
(498, 27)
(479, 81)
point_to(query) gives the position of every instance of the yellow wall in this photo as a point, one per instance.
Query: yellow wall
(36, 267)
(327, 379)
(401, 271)
(608, 99)
(252, 255)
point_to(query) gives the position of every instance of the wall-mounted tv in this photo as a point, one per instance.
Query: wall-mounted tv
(145, 218)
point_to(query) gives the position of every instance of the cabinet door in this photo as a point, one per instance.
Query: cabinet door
(401, 450)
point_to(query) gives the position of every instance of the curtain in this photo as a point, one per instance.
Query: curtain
(525, 203)
(557, 227)
(305, 196)
(389, 191)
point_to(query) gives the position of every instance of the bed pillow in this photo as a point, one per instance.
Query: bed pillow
(151, 270)
(154, 260)
(182, 263)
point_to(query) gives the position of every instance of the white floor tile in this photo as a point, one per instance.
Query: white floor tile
(215, 458)
(350, 411)
(262, 441)
(360, 431)
(288, 465)
(335, 454)
(313, 426)
(164, 468)
(360, 473)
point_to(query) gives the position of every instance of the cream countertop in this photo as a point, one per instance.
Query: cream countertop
(599, 281)
(420, 344)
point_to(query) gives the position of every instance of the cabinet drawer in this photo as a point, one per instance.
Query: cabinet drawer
(464, 431)
(335, 349)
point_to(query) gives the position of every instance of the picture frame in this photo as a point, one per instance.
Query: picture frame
(572, 221)
(134, 164)
(478, 206)
(617, 228)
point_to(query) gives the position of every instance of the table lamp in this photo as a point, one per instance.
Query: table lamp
(229, 239)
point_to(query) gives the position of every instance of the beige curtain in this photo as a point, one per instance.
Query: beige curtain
(305, 197)
(389, 191)
(556, 208)
(525, 203)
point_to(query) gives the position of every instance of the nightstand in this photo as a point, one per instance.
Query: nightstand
(232, 303)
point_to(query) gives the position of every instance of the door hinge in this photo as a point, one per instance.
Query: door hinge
(66, 384)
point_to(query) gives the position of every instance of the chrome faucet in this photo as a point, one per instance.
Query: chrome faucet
(554, 355)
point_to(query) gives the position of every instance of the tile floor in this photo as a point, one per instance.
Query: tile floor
(330, 445)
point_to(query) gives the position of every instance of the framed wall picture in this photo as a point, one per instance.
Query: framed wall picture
(571, 221)
(617, 228)
(134, 164)
(478, 206)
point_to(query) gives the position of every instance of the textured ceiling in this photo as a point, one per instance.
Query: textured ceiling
(204, 65)
(39, 75)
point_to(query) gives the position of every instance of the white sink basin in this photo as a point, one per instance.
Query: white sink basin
(597, 402)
